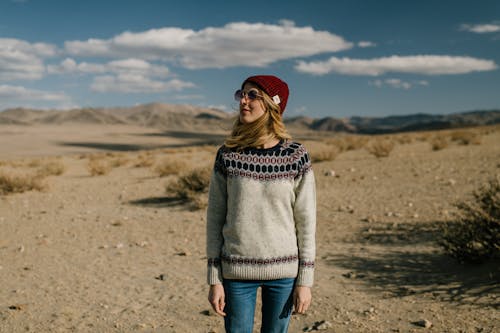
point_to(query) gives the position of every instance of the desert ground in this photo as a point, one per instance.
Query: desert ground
(118, 253)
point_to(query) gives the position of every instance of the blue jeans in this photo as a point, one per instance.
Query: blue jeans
(277, 303)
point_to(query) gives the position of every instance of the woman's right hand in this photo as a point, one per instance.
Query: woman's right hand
(216, 297)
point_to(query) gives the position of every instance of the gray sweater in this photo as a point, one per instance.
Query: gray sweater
(261, 217)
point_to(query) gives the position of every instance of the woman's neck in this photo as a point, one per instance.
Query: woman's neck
(270, 143)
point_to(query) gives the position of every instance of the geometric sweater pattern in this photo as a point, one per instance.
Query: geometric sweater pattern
(261, 216)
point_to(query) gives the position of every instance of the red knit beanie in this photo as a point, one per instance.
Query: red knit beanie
(273, 86)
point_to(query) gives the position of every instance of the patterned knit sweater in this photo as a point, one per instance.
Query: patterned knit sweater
(261, 217)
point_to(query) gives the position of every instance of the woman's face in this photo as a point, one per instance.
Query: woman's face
(251, 109)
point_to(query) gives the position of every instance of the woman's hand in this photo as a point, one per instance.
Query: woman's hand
(216, 297)
(301, 299)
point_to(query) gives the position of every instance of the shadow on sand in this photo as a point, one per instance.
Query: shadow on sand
(129, 147)
(206, 138)
(407, 269)
(158, 202)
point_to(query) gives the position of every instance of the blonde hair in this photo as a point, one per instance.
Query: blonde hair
(255, 134)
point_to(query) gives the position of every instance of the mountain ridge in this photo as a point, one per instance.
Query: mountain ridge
(189, 118)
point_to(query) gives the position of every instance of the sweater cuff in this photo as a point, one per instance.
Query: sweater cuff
(214, 273)
(305, 277)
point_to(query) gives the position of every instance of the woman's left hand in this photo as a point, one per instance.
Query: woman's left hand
(301, 299)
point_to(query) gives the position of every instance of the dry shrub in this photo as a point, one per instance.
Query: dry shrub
(321, 151)
(169, 166)
(98, 166)
(349, 142)
(192, 187)
(466, 137)
(380, 147)
(439, 142)
(424, 136)
(144, 160)
(475, 236)
(118, 161)
(34, 163)
(17, 182)
(404, 139)
(51, 168)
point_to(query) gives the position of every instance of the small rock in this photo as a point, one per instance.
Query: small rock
(330, 173)
(452, 182)
(369, 219)
(119, 245)
(17, 307)
(161, 277)
(352, 275)
(389, 214)
(423, 323)
(319, 326)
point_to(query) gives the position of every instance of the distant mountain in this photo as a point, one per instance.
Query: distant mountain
(395, 124)
(163, 116)
(192, 118)
(421, 122)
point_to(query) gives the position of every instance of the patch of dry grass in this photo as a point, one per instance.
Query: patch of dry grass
(380, 147)
(348, 142)
(171, 165)
(466, 137)
(145, 160)
(12, 181)
(321, 151)
(98, 165)
(475, 236)
(404, 139)
(192, 187)
(51, 168)
(439, 142)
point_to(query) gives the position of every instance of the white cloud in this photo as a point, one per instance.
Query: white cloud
(364, 44)
(481, 28)
(124, 66)
(398, 83)
(136, 83)
(235, 44)
(20, 60)
(420, 64)
(21, 93)
(13, 96)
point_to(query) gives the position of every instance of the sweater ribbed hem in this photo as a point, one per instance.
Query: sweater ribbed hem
(214, 275)
(305, 277)
(263, 272)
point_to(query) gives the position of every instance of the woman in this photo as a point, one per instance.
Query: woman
(261, 216)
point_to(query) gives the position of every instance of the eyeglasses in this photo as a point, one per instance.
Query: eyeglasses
(252, 94)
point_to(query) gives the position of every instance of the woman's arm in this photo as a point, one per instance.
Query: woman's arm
(304, 211)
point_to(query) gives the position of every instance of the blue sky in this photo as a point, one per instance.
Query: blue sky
(340, 58)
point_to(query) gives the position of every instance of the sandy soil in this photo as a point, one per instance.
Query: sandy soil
(115, 253)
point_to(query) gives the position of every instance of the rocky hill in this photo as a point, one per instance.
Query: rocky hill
(163, 116)
(192, 118)
(395, 124)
